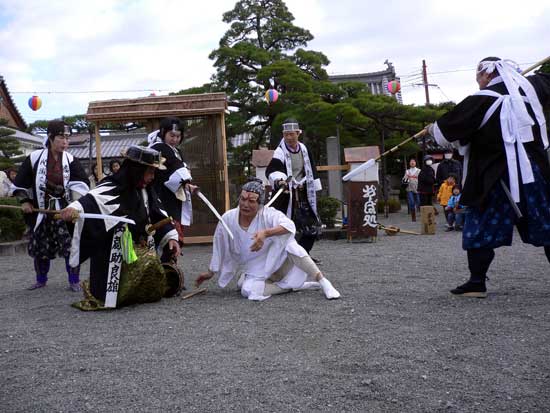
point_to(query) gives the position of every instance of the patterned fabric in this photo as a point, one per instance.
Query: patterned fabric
(50, 239)
(256, 186)
(493, 226)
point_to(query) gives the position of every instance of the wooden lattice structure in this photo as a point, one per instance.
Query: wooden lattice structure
(203, 144)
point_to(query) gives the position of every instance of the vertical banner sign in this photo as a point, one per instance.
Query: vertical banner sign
(369, 208)
(362, 215)
(115, 267)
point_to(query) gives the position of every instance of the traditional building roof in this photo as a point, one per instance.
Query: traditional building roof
(8, 110)
(377, 82)
(157, 107)
(111, 146)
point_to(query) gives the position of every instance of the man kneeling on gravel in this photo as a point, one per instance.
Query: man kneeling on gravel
(262, 247)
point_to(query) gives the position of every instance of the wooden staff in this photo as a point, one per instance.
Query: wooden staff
(194, 293)
(425, 130)
(43, 211)
(391, 230)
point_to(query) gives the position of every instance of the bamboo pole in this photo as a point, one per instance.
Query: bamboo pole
(225, 170)
(540, 63)
(43, 211)
(98, 153)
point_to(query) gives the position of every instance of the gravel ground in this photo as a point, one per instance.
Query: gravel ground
(396, 341)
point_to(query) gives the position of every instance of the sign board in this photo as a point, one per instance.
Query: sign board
(362, 216)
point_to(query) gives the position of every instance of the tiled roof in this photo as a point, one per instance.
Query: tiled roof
(111, 146)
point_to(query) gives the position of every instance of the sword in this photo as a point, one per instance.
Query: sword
(216, 213)
(279, 192)
(511, 199)
(56, 215)
(105, 217)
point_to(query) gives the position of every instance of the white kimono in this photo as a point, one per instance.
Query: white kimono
(231, 257)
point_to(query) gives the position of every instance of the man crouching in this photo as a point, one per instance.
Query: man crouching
(263, 249)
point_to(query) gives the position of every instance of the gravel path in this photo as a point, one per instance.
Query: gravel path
(396, 341)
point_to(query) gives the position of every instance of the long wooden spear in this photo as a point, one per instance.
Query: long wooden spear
(423, 132)
(43, 211)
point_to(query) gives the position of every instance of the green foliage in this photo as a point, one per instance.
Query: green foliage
(206, 88)
(393, 204)
(12, 225)
(262, 46)
(9, 146)
(327, 207)
(77, 122)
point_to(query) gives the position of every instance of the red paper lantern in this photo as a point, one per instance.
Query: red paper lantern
(394, 86)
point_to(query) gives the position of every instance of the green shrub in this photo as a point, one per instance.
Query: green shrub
(393, 203)
(12, 225)
(328, 207)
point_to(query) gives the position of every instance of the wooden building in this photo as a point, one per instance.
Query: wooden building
(203, 144)
(8, 110)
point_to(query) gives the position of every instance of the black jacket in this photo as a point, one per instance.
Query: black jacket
(487, 164)
(426, 180)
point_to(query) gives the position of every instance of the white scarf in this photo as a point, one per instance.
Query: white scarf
(41, 177)
(515, 121)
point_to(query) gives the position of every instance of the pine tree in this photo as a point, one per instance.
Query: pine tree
(9, 146)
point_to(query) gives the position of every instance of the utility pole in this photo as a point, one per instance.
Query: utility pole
(425, 81)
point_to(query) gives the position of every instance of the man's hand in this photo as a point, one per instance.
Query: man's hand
(259, 239)
(281, 183)
(68, 214)
(174, 247)
(192, 188)
(203, 277)
(26, 207)
(428, 130)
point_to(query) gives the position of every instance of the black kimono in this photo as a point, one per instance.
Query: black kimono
(94, 238)
(300, 203)
(507, 170)
(47, 183)
(170, 187)
(487, 162)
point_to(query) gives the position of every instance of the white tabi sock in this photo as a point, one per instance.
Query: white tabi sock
(309, 285)
(328, 289)
(240, 281)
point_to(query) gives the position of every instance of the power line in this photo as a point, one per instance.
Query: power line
(88, 91)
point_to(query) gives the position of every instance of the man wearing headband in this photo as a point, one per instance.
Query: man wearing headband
(128, 193)
(293, 159)
(49, 178)
(173, 185)
(501, 132)
(263, 248)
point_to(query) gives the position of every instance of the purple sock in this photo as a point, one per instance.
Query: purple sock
(41, 267)
(73, 272)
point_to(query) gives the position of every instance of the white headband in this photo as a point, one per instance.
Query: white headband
(290, 127)
(489, 66)
(511, 75)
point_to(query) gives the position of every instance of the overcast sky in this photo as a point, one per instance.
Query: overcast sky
(162, 45)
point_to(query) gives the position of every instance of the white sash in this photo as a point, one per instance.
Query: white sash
(515, 133)
(115, 268)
